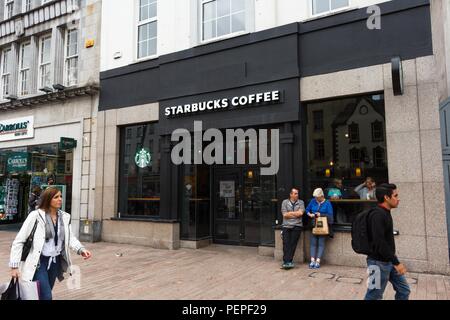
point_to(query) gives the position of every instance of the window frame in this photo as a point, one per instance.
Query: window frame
(331, 11)
(40, 64)
(68, 58)
(7, 74)
(381, 129)
(228, 35)
(140, 23)
(27, 5)
(22, 70)
(317, 156)
(350, 138)
(8, 9)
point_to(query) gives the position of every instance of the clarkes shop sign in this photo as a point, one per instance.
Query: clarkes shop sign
(254, 99)
(14, 129)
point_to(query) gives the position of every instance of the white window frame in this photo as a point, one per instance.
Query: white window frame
(8, 9)
(68, 58)
(247, 11)
(41, 65)
(26, 70)
(6, 74)
(27, 5)
(330, 12)
(141, 23)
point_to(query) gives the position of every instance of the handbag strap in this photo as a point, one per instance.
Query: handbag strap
(31, 236)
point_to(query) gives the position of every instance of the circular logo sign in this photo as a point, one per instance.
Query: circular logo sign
(143, 158)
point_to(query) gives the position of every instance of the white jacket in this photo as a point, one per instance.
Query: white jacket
(28, 268)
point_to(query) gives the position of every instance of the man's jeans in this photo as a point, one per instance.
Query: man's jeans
(46, 277)
(290, 240)
(380, 273)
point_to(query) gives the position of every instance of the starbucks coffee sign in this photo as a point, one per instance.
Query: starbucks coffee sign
(15, 129)
(143, 159)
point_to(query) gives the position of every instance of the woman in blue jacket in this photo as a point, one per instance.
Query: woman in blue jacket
(318, 207)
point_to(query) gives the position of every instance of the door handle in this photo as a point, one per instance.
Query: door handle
(240, 206)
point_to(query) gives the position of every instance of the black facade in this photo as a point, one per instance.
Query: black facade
(265, 61)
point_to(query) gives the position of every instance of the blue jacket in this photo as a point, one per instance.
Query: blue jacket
(325, 209)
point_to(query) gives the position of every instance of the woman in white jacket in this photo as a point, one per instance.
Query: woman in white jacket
(49, 256)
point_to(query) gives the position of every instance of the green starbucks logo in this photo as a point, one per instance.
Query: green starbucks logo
(143, 158)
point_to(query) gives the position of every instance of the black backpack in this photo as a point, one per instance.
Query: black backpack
(360, 233)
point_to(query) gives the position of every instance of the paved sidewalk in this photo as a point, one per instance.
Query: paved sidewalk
(217, 272)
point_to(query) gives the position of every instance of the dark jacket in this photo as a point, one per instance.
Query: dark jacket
(33, 202)
(382, 241)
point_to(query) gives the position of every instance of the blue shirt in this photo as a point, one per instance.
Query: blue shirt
(325, 209)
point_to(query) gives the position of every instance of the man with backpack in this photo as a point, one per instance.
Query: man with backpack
(373, 235)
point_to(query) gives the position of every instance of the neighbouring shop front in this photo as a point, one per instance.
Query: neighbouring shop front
(27, 169)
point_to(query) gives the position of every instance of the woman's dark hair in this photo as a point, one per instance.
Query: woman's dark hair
(46, 198)
(385, 189)
(37, 190)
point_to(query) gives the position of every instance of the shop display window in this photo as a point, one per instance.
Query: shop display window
(139, 179)
(352, 150)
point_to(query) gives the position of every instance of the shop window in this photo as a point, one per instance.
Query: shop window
(147, 28)
(346, 165)
(377, 131)
(33, 165)
(139, 182)
(222, 17)
(318, 120)
(324, 6)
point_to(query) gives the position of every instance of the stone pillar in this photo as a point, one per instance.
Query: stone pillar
(14, 78)
(34, 71)
(57, 69)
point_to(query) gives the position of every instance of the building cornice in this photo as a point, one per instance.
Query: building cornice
(58, 96)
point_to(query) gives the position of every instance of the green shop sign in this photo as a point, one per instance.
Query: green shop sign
(18, 162)
(67, 144)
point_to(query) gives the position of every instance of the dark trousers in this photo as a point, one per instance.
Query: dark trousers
(290, 240)
(46, 277)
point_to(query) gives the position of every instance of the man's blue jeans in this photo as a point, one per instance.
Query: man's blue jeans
(380, 273)
(46, 277)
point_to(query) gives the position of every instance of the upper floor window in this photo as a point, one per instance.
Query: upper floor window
(222, 17)
(353, 131)
(377, 131)
(24, 68)
(71, 56)
(318, 120)
(322, 6)
(6, 71)
(147, 28)
(26, 5)
(45, 61)
(9, 8)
